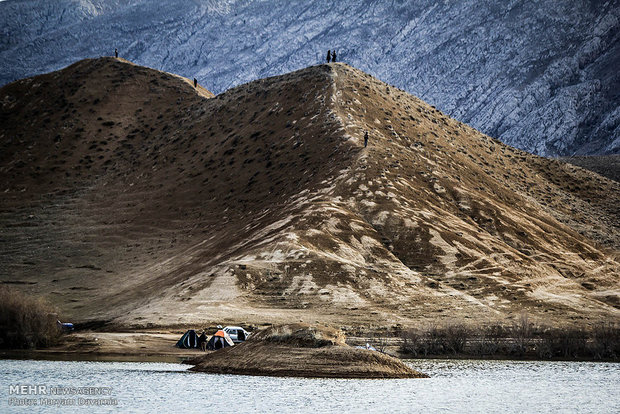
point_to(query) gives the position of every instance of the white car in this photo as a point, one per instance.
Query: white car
(237, 333)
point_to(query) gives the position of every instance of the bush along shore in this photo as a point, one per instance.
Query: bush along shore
(26, 322)
(522, 340)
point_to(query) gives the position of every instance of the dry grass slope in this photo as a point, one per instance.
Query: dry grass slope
(130, 196)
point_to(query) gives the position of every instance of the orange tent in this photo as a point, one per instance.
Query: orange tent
(219, 340)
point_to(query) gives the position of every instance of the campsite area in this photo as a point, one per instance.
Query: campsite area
(144, 345)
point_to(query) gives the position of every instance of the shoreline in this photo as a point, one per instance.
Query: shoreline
(160, 346)
(37, 355)
(43, 355)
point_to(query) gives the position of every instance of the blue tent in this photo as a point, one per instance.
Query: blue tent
(188, 340)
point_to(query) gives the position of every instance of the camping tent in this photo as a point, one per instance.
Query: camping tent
(188, 340)
(219, 340)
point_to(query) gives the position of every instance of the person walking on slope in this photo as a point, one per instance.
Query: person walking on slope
(365, 139)
(334, 56)
(329, 55)
(116, 53)
(195, 82)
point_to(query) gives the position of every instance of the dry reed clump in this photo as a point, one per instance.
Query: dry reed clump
(26, 322)
(570, 343)
(521, 339)
(602, 342)
(436, 340)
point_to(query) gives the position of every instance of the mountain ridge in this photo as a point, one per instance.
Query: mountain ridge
(538, 77)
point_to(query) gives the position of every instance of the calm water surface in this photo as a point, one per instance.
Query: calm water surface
(454, 386)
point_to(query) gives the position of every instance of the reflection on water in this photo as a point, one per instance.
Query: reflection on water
(454, 386)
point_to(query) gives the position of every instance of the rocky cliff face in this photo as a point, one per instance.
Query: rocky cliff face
(539, 76)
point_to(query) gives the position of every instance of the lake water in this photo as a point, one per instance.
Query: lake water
(454, 386)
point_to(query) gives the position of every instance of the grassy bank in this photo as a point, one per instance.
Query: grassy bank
(520, 340)
(300, 350)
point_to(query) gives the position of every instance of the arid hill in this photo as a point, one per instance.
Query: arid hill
(129, 196)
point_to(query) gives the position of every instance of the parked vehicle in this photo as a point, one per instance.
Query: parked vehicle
(64, 326)
(237, 333)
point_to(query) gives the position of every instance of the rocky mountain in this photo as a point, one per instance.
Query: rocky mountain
(130, 196)
(541, 76)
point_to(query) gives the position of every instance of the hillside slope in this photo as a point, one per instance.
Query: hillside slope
(537, 75)
(132, 197)
(605, 165)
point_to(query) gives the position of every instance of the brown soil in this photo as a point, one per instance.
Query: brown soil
(131, 198)
(137, 346)
(301, 351)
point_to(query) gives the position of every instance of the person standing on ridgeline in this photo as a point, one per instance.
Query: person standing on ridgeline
(365, 139)
(115, 52)
(334, 56)
(329, 55)
(195, 82)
